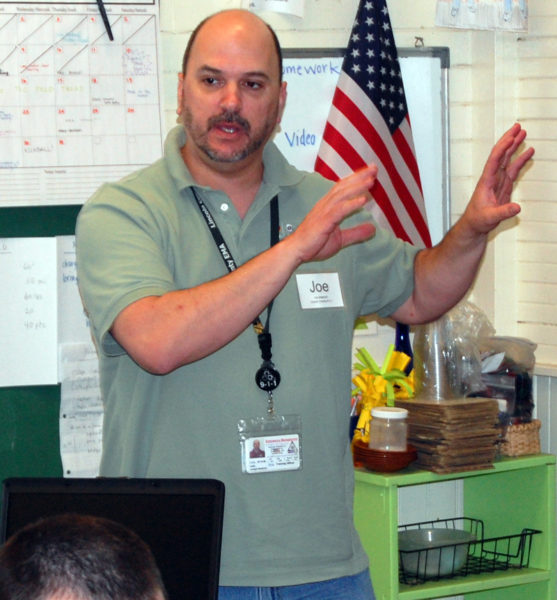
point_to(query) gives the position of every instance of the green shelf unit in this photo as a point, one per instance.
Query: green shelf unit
(517, 493)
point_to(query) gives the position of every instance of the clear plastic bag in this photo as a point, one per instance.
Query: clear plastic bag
(447, 357)
(508, 371)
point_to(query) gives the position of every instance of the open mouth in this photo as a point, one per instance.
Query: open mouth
(227, 128)
(230, 124)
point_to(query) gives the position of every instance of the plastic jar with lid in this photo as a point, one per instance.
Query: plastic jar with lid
(388, 429)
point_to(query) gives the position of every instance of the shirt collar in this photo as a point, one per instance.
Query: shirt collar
(277, 171)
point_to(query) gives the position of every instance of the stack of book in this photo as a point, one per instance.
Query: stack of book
(453, 435)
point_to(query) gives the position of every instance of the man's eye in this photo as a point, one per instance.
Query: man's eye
(211, 80)
(254, 85)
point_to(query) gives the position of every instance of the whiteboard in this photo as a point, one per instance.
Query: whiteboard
(311, 76)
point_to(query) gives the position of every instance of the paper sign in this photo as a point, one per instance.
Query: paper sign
(73, 324)
(81, 411)
(28, 319)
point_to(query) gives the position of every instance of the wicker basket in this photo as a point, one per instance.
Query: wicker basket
(523, 438)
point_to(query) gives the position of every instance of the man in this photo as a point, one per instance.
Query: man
(77, 557)
(256, 451)
(177, 262)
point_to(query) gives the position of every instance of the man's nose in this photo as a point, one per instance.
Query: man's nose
(231, 97)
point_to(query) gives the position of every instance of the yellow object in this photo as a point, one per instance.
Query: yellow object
(376, 386)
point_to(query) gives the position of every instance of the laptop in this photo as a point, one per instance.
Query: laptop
(180, 519)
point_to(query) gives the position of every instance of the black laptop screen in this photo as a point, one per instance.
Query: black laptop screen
(181, 520)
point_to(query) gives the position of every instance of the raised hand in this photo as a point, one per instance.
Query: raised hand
(491, 201)
(320, 235)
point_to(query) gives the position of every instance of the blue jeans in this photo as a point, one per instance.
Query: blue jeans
(354, 587)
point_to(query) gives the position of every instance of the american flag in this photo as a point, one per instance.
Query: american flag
(368, 122)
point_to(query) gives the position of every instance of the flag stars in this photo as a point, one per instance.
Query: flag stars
(371, 61)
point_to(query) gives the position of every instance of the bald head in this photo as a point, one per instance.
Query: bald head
(233, 23)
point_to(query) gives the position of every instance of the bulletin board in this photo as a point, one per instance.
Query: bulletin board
(77, 108)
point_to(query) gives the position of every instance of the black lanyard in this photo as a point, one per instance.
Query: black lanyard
(267, 377)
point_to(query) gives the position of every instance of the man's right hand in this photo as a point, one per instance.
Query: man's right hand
(320, 235)
(161, 333)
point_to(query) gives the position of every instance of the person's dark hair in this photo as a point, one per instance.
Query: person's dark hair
(82, 556)
(196, 31)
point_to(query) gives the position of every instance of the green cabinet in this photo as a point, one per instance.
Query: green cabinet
(517, 493)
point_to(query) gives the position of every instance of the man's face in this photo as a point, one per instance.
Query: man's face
(230, 98)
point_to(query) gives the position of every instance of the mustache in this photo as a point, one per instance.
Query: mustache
(230, 117)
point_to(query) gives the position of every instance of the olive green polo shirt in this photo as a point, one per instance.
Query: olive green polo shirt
(145, 236)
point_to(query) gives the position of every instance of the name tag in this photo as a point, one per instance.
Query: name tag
(319, 290)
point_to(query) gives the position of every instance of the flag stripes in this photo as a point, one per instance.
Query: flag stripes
(369, 123)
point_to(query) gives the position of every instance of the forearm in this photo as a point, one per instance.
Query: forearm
(164, 332)
(443, 274)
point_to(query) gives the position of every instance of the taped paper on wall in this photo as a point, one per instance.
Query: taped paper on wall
(81, 411)
(29, 349)
(511, 15)
(290, 7)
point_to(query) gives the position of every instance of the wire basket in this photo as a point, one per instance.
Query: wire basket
(435, 561)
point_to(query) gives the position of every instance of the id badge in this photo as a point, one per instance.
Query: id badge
(270, 443)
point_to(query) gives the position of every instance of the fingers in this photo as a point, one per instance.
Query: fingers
(501, 166)
(501, 213)
(359, 182)
(320, 235)
(516, 165)
(349, 194)
(507, 145)
(356, 183)
(356, 234)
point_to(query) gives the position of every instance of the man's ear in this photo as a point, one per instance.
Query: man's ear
(282, 101)
(180, 94)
